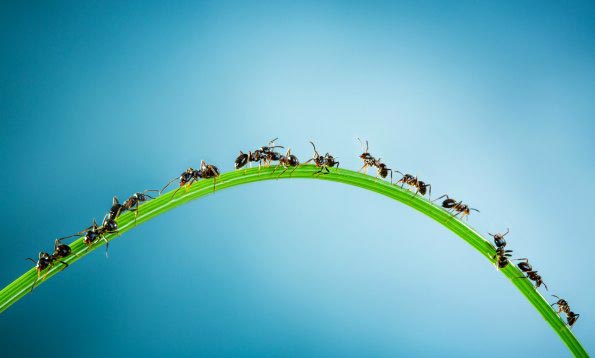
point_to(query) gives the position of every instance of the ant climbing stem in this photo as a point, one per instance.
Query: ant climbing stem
(286, 161)
(323, 162)
(456, 207)
(414, 183)
(135, 199)
(369, 161)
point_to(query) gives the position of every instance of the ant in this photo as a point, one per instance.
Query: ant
(501, 255)
(562, 305)
(323, 161)
(61, 251)
(456, 206)
(370, 161)
(531, 275)
(191, 175)
(135, 200)
(413, 182)
(286, 161)
(95, 232)
(46, 260)
(265, 153)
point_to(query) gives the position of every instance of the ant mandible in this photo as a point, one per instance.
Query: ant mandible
(501, 255)
(322, 161)
(369, 161)
(531, 275)
(456, 206)
(286, 161)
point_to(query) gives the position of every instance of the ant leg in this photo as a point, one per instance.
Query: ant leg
(441, 197)
(283, 172)
(364, 167)
(35, 282)
(135, 213)
(327, 170)
(273, 172)
(65, 264)
(106, 246)
(290, 174)
(214, 182)
(337, 168)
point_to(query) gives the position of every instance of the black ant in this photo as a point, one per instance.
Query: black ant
(531, 275)
(135, 200)
(116, 209)
(571, 318)
(456, 206)
(44, 261)
(95, 232)
(61, 251)
(501, 255)
(420, 186)
(191, 175)
(562, 305)
(323, 161)
(265, 153)
(370, 161)
(47, 261)
(286, 161)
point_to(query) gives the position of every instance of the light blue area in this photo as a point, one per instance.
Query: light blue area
(491, 103)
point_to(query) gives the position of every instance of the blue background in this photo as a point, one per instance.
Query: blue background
(491, 103)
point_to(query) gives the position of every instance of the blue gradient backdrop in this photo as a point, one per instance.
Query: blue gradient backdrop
(492, 103)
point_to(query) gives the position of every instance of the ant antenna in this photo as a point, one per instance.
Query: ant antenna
(313, 146)
(168, 184)
(362, 145)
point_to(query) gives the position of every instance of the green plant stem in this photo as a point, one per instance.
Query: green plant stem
(21, 286)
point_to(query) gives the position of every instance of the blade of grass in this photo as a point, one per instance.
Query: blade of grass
(22, 285)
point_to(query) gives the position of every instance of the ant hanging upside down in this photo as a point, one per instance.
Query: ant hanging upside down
(187, 178)
(369, 161)
(323, 162)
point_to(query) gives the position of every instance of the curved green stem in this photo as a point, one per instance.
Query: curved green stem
(21, 286)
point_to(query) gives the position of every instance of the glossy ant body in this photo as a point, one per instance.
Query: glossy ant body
(135, 199)
(323, 162)
(116, 209)
(456, 206)
(94, 232)
(265, 153)
(531, 275)
(420, 186)
(369, 161)
(47, 261)
(187, 178)
(501, 255)
(286, 161)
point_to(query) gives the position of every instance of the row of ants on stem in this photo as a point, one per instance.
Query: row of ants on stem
(266, 156)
